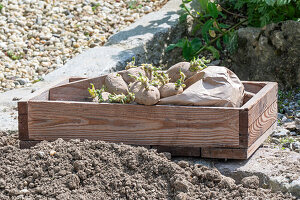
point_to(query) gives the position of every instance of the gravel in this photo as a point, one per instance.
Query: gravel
(287, 134)
(36, 37)
(99, 170)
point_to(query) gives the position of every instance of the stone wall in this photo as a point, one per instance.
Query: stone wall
(269, 54)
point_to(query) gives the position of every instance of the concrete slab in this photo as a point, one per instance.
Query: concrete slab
(276, 168)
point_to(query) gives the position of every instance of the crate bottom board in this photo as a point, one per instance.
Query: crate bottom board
(219, 153)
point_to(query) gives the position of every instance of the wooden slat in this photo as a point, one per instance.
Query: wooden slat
(261, 139)
(75, 91)
(262, 123)
(134, 124)
(226, 153)
(253, 86)
(73, 79)
(23, 120)
(247, 96)
(237, 153)
(41, 94)
(243, 128)
(261, 101)
(179, 151)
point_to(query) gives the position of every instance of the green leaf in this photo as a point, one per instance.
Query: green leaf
(187, 52)
(282, 2)
(218, 44)
(214, 51)
(196, 28)
(205, 29)
(180, 44)
(203, 4)
(183, 17)
(171, 47)
(270, 2)
(186, 1)
(196, 44)
(212, 9)
(223, 25)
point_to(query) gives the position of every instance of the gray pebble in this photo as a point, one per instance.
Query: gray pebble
(281, 132)
(41, 154)
(297, 113)
(296, 145)
(293, 133)
(22, 81)
(284, 119)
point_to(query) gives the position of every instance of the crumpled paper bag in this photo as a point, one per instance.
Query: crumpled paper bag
(213, 86)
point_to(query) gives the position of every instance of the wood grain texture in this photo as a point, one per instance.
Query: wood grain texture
(73, 79)
(243, 128)
(75, 91)
(179, 151)
(134, 124)
(261, 139)
(226, 153)
(247, 96)
(261, 101)
(262, 123)
(23, 120)
(253, 86)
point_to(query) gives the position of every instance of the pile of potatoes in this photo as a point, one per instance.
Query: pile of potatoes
(146, 84)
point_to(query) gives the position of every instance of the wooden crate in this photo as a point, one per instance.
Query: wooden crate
(63, 110)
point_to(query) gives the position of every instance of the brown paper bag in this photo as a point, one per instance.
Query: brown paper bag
(213, 86)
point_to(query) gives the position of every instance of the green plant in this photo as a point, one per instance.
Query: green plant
(180, 82)
(286, 140)
(97, 93)
(95, 6)
(208, 17)
(263, 12)
(198, 64)
(1, 7)
(112, 98)
(14, 56)
(161, 78)
(134, 4)
(121, 98)
(131, 64)
(143, 79)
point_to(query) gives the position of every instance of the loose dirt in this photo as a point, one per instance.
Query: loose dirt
(100, 170)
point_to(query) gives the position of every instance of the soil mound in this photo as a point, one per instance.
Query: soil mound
(100, 170)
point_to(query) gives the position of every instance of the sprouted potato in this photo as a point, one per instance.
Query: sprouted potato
(188, 68)
(115, 84)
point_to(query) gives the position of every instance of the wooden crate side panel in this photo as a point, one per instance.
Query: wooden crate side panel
(75, 91)
(253, 86)
(250, 133)
(23, 120)
(261, 101)
(226, 153)
(262, 123)
(243, 128)
(134, 124)
(261, 139)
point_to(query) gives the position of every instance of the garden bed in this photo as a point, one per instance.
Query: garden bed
(63, 111)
